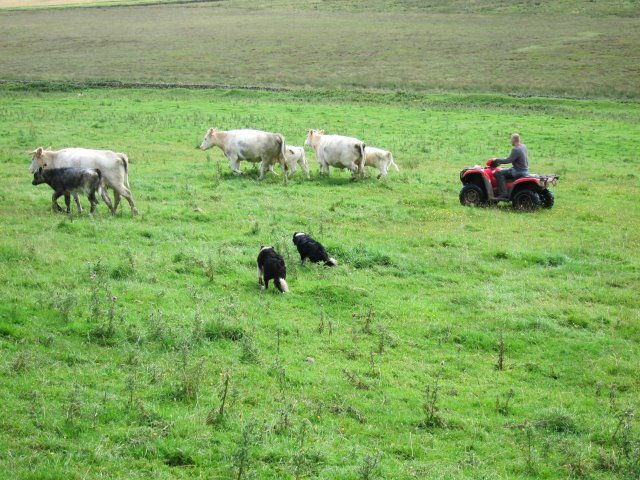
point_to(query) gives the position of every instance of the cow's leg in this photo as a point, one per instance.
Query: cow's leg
(126, 193)
(54, 201)
(67, 202)
(305, 168)
(116, 200)
(107, 200)
(234, 163)
(93, 200)
(354, 171)
(77, 199)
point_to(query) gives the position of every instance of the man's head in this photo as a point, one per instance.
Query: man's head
(515, 139)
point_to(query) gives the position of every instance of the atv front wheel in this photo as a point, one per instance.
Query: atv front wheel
(472, 195)
(546, 198)
(526, 200)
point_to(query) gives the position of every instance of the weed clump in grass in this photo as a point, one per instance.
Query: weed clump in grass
(430, 406)
(64, 304)
(249, 350)
(21, 362)
(103, 313)
(220, 330)
(502, 405)
(368, 467)
(190, 376)
(217, 416)
(178, 458)
(557, 420)
(249, 439)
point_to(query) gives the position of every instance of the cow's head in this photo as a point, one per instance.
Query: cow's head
(312, 137)
(38, 177)
(209, 139)
(37, 159)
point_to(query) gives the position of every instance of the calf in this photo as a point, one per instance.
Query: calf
(380, 159)
(294, 155)
(68, 181)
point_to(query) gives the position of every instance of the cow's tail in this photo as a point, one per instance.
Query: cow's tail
(393, 163)
(124, 160)
(100, 188)
(281, 284)
(283, 150)
(363, 157)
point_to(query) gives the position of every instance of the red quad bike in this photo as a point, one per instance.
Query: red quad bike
(526, 193)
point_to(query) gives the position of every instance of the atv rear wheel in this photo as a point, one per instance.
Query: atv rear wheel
(526, 200)
(472, 195)
(546, 198)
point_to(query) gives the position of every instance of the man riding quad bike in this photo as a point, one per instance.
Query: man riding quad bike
(525, 193)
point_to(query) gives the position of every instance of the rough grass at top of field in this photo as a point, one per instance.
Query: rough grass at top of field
(575, 7)
(214, 43)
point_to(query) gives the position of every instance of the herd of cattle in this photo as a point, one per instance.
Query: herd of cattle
(71, 171)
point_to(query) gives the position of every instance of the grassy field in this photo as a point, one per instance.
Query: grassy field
(557, 48)
(120, 336)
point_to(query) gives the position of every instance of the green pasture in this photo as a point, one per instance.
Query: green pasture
(120, 336)
(559, 48)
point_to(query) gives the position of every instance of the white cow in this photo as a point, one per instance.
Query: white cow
(380, 159)
(113, 166)
(295, 155)
(250, 145)
(337, 151)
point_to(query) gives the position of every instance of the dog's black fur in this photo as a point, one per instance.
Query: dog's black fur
(271, 266)
(311, 249)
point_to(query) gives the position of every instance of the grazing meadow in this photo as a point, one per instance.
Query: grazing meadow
(448, 342)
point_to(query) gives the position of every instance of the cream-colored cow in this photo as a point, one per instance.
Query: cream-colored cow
(337, 151)
(249, 145)
(113, 166)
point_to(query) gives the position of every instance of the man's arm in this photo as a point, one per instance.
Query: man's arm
(515, 154)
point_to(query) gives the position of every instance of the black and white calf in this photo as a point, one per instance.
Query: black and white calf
(68, 181)
(271, 266)
(311, 249)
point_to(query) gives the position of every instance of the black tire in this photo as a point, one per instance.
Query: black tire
(546, 198)
(526, 200)
(472, 195)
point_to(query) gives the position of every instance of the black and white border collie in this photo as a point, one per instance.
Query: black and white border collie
(309, 248)
(271, 266)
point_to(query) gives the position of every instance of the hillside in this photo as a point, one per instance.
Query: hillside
(487, 48)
